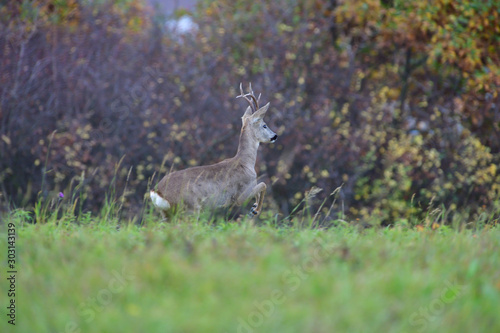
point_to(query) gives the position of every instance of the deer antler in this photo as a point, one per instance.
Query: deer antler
(250, 97)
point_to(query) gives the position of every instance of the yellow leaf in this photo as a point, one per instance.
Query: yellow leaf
(493, 169)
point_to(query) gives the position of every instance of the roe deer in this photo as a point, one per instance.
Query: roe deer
(230, 182)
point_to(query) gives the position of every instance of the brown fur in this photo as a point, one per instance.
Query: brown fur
(227, 183)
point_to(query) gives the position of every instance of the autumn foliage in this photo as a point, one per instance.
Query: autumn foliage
(396, 102)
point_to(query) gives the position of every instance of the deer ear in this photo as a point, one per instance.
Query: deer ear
(260, 113)
(248, 112)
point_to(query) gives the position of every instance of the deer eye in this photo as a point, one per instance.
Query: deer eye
(265, 126)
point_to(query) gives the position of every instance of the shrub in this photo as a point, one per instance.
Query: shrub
(104, 95)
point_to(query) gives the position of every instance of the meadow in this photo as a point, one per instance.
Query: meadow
(392, 103)
(200, 275)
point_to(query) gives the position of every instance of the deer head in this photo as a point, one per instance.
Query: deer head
(253, 117)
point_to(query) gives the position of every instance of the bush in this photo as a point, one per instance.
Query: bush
(105, 96)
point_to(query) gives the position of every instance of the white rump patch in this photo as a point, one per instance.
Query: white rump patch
(158, 201)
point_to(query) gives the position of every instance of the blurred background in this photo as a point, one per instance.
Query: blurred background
(396, 102)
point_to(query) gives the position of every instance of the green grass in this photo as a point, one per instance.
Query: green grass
(101, 276)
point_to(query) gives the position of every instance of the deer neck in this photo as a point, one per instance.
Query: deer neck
(247, 148)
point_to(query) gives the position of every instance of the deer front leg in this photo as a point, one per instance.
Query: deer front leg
(258, 193)
(259, 200)
(256, 203)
